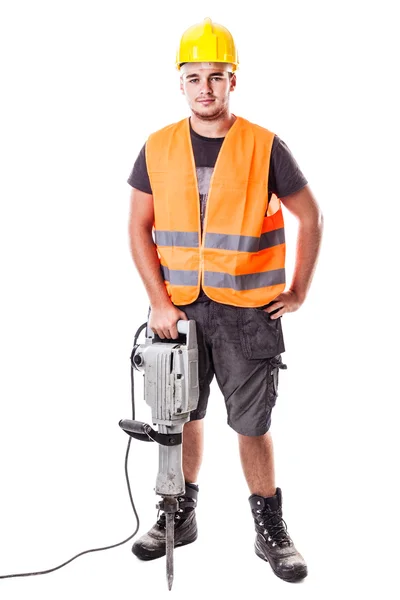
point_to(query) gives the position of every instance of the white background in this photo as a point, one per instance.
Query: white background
(83, 84)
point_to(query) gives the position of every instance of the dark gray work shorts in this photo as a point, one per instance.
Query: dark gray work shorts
(242, 348)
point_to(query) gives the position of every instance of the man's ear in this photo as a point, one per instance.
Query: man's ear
(233, 82)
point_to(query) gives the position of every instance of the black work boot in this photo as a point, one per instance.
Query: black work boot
(152, 544)
(273, 542)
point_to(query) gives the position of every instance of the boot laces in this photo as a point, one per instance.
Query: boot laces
(275, 526)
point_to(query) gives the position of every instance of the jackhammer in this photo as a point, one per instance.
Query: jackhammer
(171, 389)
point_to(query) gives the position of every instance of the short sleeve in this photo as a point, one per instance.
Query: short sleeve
(139, 177)
(285, 176)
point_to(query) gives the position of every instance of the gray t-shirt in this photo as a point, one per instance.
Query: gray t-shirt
(284, 177)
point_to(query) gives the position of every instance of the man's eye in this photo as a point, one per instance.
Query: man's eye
(193, 80)
(217, 78)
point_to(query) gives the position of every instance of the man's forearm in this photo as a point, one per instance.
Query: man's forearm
(308, 245)
(147, 262)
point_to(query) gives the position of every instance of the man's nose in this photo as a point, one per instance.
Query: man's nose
(205, 87)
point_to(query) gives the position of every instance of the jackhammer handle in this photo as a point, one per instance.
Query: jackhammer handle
(136, 427)
(132, 426)
(182, 326)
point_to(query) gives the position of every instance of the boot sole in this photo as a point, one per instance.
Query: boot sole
(162, 552)
(297, 576)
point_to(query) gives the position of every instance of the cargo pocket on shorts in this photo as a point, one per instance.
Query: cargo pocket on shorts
(260, 336)
(273, 379)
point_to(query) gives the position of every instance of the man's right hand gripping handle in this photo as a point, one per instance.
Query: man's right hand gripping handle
(163, 320)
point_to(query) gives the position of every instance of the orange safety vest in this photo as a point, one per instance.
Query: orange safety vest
(240, 259)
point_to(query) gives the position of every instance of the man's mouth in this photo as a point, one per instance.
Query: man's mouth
(206, 101)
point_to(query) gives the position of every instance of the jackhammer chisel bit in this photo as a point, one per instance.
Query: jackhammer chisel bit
(170, 506)
(170, 549)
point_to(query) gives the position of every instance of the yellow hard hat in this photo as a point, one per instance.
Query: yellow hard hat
(207, 42)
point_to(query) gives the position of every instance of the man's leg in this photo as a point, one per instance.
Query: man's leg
(192, 449)
(257, 457)
(273, 543)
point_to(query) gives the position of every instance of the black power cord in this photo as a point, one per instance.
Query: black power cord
(127, 481)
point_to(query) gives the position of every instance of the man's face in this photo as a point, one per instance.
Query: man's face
(206, 87)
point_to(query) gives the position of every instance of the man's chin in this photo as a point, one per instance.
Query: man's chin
(207, 113)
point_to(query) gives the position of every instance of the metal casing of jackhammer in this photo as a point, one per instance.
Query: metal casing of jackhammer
(171, 376)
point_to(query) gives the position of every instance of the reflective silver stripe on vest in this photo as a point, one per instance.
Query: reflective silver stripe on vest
(178, 277)
(184, 239)
(244, 282)
(245, 243)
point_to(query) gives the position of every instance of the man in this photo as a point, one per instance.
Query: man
(210, 187)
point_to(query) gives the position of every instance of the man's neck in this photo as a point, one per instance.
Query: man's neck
(218, 128)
